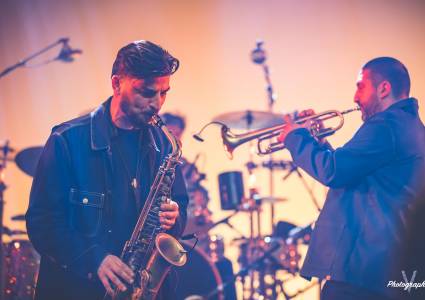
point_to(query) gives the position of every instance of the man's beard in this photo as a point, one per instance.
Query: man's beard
(137, 119)
(372, 109)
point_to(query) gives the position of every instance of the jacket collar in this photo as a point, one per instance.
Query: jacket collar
(101, 128)
(408, 103)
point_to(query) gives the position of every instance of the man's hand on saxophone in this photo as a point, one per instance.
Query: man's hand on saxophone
(169, 214)
(114, 270)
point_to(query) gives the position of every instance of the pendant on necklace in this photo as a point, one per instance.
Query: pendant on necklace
(134, 183)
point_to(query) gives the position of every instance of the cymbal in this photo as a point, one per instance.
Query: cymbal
(18, 218)
(249, 119)
(27, 159)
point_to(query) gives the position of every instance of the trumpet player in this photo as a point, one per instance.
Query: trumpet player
(372, 180)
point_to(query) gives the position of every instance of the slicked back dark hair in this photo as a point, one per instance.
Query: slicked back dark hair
(144, 60)
(392, 70)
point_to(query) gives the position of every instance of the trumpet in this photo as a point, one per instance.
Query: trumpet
(231, 140)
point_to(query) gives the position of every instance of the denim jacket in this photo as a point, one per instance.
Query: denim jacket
(70, 201)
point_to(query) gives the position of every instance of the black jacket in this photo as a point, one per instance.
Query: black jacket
(71, 200)
(374, 179)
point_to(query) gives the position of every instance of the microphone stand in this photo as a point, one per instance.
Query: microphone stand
(259, 56)
(23, 62)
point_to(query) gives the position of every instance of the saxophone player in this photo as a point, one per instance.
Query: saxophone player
(94, 176)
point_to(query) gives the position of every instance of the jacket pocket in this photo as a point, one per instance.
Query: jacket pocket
(86, 211)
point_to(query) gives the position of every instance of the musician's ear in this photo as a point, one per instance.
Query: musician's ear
(115, 81)
(384, 89)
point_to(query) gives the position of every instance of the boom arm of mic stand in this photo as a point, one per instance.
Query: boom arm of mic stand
(25, 60)
(225, 221)
(309, 190)
(294, 168)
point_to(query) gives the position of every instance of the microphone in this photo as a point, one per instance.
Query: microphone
(67, 53)
(258, 55)
(198, 137)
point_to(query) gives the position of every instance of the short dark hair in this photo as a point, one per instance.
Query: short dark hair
(144, 59)
(173, 119)
(392, 70)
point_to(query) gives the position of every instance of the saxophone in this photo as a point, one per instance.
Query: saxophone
(150, 252)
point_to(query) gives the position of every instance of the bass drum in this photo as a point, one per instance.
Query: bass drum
(198, 277)
(21, 270)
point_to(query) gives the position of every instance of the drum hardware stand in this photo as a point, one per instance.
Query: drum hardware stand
(251, 205)
(252, 266)
(242, 273)
(3, 161)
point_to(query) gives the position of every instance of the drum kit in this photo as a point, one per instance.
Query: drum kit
(19, 260)
(260, 257)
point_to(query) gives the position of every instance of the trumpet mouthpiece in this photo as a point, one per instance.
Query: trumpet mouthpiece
(350, 110)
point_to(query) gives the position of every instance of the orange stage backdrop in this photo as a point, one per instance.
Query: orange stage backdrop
(315, 49)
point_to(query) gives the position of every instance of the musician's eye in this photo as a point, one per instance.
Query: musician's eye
(147, 93)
